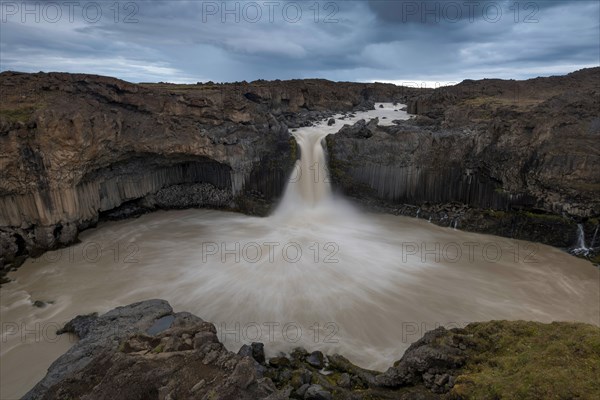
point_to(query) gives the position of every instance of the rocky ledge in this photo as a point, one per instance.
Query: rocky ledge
(146, 351)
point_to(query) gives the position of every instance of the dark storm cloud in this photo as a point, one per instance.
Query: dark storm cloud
(343, 40)
(452, 12)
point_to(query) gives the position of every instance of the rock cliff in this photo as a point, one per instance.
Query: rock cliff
(76, 148)
(515, 158)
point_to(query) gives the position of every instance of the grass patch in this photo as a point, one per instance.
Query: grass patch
(546, 217)
(531, 360)
(158, 349)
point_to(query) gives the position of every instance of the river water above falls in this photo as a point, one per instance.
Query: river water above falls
(317, 274)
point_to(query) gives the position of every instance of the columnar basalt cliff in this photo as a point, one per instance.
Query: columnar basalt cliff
(76, 148)
(515, 158)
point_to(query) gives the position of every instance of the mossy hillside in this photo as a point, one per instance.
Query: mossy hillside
(530, 360)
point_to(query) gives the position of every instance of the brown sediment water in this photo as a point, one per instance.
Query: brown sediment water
(317, 274)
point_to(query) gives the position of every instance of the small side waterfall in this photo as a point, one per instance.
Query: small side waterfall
(581, 237)
(580, 248)
(455, 224)
(593, 243)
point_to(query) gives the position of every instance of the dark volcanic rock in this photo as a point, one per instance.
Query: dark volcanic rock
(255, 350)
(316, 392)
(485, 145)
(78, 147)
(423, 360)
(146, 351)
(117, 358)
(79, 326)
(97, 336)
(316, 359)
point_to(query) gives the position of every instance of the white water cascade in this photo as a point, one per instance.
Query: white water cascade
(580, 248)
(581, 238)
(309, 185)
(317, 274)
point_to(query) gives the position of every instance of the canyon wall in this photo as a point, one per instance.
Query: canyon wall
(76, 148)
(516, 158)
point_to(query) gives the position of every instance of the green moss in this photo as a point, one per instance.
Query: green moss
(122, 347)
(595, 259)
(293, 149)
(546, 217)
(333, 378)
(495, 213)
(158, 349)
(18, 114)
(530, 360)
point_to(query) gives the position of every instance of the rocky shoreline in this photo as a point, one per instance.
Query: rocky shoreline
(147, 351)
(510, 158)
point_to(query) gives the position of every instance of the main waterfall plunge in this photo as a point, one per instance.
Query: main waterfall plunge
(316, 274)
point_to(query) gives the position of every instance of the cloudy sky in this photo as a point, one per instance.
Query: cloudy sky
(397, 41)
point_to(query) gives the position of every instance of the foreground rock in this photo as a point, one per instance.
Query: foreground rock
(145, 351)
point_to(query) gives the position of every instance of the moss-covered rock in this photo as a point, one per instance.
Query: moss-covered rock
(530, 360)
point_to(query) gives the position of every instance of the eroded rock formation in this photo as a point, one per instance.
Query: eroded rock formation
(76, 147)
(146, 351)
(516, 158)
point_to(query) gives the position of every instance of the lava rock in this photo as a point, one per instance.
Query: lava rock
(316, 392)
(258, 352)
(279, 362)
(344, 380)
(316, 359)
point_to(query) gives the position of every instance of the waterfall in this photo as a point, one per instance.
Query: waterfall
(309, 190)
(309, 184)
(580, 248)
(580, 238)
(593, 243)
